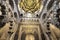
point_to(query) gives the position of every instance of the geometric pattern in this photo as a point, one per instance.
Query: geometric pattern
(30, 5)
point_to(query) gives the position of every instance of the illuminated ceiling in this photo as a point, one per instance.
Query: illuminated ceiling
(30, 5)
